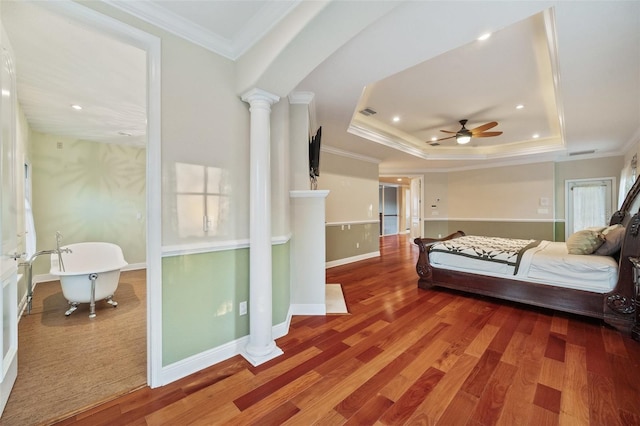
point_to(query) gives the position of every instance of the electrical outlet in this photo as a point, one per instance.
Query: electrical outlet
(242, 308)
(357, 245)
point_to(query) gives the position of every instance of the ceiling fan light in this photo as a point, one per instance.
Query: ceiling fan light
(463, 139)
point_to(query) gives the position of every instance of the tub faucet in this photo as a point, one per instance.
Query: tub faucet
(29, 267)
(60, 262)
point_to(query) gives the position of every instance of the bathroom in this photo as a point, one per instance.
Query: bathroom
(88, 189)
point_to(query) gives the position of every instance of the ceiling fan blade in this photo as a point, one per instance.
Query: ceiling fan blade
(448, 131)
(443, 139)
(486, 134)
(484, 127)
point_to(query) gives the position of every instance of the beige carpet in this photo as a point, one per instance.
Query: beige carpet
(334, 299)
(69, 363)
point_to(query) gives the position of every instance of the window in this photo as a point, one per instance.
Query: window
(589, 203)
(202, 200)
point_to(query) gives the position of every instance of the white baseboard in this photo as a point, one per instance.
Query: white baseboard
(195, 363)
(22, 306)
(352, 259)
(135, 266)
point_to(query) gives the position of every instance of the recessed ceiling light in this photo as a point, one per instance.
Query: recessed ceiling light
(399, 179)
(76, 107)
(396, 119)
(434, 138)
(536, 136)
(519, 106)
(5, 92)
(484, 36)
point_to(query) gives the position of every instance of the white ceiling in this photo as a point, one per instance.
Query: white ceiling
(481, 87)
(60, 63)
(575, 67)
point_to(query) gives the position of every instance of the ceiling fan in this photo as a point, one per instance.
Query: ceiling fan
(464, 135)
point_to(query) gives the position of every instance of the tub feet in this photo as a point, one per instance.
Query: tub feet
(74, 306)
(112, 302)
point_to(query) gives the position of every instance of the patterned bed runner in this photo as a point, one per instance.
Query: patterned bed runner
(491, 249)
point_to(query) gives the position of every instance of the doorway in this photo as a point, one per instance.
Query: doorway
(150, 45)
(400, 202)
(589, 203)
(389, 208)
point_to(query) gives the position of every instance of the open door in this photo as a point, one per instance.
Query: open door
(416, 208)
(8, 227)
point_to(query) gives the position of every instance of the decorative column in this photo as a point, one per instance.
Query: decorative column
(261, 346)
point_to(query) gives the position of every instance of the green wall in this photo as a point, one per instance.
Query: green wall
(200, 297)
(89, 192)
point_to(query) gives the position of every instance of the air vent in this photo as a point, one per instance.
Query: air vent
(434, 144)
(571, 154)
(367, 112)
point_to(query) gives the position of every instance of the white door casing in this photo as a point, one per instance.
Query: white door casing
(416, 208)
(8, 226)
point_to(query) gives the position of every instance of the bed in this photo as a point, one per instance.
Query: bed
(544, 273)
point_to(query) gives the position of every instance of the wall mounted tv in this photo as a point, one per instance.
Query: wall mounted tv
(314, 155)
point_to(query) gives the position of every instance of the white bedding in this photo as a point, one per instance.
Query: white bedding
(548, 263)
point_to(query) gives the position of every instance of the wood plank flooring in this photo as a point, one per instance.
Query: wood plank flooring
(408, 356)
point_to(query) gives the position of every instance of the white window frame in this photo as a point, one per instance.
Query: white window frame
(609, 181)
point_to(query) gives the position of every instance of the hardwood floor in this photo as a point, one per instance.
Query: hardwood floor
(408, 356)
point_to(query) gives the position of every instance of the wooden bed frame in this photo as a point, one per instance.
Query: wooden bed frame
(619, 308)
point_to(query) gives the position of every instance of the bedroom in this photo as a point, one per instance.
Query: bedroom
(223, 102)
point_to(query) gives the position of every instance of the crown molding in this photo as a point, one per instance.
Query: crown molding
(260, 24)
(303, 98)
(342, 153)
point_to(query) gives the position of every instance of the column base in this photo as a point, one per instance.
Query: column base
(257, 360)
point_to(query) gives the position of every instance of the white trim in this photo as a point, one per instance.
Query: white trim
(343, 153)
(135, 266)
(301, 98)
(610, 182)
(351, 259)
(480, 219)
(260, 24)
(306, 98)
(152, 46)
(22, 306)
(195, 363)
(552, 44)
(213, 246)
(352, 222)
(517, 162)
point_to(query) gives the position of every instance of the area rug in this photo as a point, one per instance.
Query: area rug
(334, 299)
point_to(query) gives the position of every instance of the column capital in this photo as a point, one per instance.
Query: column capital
(256, 94)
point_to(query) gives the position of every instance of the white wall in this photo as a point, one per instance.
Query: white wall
(354, 188)
(205, 124)
(511, 192)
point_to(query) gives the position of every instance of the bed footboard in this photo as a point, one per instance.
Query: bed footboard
(423, 267)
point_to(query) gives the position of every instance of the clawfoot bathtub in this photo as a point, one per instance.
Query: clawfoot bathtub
(88, 273)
